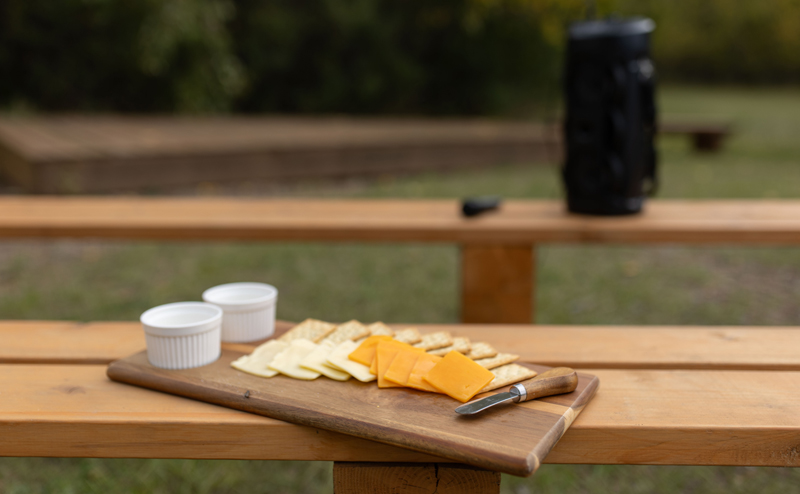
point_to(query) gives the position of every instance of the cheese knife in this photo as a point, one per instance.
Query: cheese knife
(553, 382)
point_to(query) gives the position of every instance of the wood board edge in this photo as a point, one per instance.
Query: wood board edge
(129, 371)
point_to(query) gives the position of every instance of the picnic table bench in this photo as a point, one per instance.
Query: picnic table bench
(54, 154)
(498, 267)
(705, 136)
(668, 396)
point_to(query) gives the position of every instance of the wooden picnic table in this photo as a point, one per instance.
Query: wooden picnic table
(668, 396)
(498, 266)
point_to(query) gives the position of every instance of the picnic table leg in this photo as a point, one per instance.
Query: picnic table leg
(416, 478)
(707, 141)
(497, 283)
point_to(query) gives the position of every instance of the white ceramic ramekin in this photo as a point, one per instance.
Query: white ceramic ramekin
(249, 310)
(182, 335)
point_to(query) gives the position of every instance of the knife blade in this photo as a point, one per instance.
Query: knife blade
(553, 382)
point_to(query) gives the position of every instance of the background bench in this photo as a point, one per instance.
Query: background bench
(704, 136)
(498, 264)
(90, 154)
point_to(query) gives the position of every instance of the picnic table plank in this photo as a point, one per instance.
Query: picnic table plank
(762, 222)
(498, 242)
(61, 342)
(609, 347)
(637, 417)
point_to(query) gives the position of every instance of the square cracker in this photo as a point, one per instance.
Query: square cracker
(310, 329)
(508, 374)
(408, 335)
(378, 328)
(460, 344)
(434, 341)
(350, 330)
(481, 350)
(497, 360)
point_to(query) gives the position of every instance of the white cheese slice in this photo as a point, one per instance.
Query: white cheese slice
(257, 362)
(288, 361)
(340, 360)
(317, 361)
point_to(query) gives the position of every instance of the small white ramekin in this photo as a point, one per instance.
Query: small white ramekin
(182, 335)
(249, 310)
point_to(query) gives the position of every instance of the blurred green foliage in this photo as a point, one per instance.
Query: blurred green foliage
(355, 56)
(728, 41)
(124, 55)
(436, 57)
(365, 56)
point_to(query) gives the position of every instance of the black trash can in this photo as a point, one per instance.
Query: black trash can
(610, 121)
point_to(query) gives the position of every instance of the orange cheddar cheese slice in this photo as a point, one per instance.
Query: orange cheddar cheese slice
(373, 367)
(422, 366)
(458, 376)
(365, 353)
(401, 367)
(384, 355)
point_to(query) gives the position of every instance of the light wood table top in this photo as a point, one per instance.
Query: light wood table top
(694, 396)
(755, 222)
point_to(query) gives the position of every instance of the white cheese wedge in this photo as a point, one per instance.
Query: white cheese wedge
(317, 361)
(288, 361)
(339, 359)
(257, 362)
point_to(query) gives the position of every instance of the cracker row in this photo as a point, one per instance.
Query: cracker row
(481, 350)
(408, 335)
(350, 330)
(310, 329)
(497, 360)
(508, 374)
(433, 341)
(460, 344)
(378, 328)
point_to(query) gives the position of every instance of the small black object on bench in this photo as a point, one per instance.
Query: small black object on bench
(473, 206)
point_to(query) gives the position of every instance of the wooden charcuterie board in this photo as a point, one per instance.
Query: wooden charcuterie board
(512, 439)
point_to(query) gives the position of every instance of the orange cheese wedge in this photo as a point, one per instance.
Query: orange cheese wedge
(458, 376)
(365, 353)
(401, 367)
(385, 354)
(422, 366)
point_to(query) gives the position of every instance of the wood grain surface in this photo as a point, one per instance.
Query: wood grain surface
(408, 418)
(608, 347)
(431, 478)
(62, 342)
(663, 417)
(753, 222)
(497, 284)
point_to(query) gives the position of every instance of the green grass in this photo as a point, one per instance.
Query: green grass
(418, 283)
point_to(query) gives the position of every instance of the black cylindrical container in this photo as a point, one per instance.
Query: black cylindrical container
(610, 116)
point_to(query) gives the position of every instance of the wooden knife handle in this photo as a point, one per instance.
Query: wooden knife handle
(553, 382)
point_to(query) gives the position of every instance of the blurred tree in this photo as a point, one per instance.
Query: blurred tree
(441, 57)
(420, 56)
(125, 55)
(185, 43)
(740, 41)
